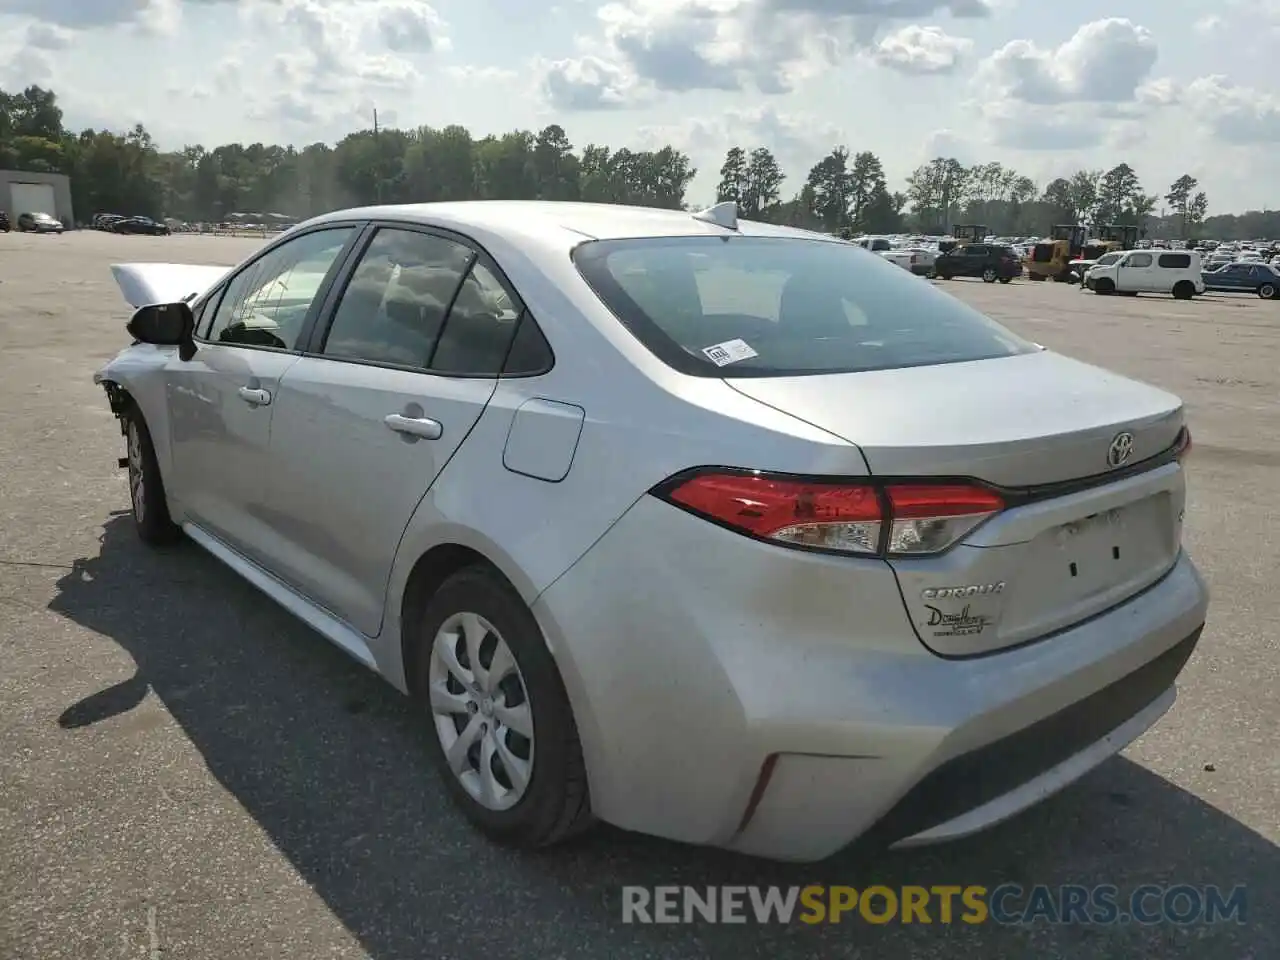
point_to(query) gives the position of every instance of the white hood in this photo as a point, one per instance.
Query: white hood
(147, 283)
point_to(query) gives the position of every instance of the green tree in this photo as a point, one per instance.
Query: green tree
(1121, 199)
(733, 176)
(1179, 200)
(830, 185)
(934, 189)
(763, 184)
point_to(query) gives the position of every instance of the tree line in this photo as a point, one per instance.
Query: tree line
(125, 172)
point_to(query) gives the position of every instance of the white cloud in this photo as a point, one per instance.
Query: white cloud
(586, 83)
(922, 50)
(1072, 96)
(1103, 62)
(48, 36)
(678, 46)
(318, 62)
(948, 143)
(1237, 115)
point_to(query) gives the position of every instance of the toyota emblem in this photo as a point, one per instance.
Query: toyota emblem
(1120, 450)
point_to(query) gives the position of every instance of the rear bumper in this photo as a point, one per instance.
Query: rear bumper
(738, 694)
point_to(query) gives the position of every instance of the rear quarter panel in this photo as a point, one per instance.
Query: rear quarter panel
(643, 423)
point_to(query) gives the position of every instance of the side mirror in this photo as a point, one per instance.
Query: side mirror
(165, 325)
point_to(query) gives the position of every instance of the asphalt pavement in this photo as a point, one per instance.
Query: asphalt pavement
(187, 772)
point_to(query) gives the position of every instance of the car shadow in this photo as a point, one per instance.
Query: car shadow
(330, 762)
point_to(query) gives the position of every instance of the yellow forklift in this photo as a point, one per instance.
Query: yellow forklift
(1119, 236)
(963, 233)
(1051, 259)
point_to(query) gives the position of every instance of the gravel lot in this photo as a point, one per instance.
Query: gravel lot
(187, 772)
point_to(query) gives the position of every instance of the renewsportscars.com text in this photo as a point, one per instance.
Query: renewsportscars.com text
(1006, 904)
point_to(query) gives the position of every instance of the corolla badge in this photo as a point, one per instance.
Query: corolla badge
(1121, 449)
(971, 590)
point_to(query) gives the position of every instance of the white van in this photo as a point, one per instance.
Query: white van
(1176, 272)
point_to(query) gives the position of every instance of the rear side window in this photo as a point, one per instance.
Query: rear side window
(480, 327)
(393, 308)
(766, 306)
(1174, 261)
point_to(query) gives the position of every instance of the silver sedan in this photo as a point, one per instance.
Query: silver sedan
(721, 531)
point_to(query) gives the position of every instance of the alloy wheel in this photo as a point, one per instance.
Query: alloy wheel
(480, 708)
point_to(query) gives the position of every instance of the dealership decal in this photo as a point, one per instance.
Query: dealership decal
(962, 624)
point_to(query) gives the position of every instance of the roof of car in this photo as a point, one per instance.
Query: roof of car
(562, 224)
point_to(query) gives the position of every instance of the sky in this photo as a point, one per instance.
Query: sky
(1170, 87)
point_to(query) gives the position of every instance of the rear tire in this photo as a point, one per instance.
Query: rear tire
(1184, 290)
(1267, 291)
(989, 275)
(942, 276)
(147, 498)
(522, 789)
(1006, 279)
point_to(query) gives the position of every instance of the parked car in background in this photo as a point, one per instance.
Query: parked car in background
(1080, 268)
(883, 247)
(4, 222)
(38, 223)
(1244, 277)
(1149, 271)
(139, 225)
(716, 530)
(922, 260)
(989, 261)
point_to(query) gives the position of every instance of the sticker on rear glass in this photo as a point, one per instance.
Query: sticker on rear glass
(731, 351)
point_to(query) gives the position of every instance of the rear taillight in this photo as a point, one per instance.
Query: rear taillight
(859, 517)
(929, 518)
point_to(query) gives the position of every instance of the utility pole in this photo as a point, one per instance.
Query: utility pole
(377, 147)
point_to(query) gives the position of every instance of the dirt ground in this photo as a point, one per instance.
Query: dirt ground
(186, 772)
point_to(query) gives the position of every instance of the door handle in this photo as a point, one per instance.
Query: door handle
(423, 427)
(255, 395)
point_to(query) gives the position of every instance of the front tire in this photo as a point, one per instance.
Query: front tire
(1267, 291)
(146, 487)
(502, 731)
(1104, 287)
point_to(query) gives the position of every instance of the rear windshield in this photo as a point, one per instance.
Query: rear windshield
(771, 306)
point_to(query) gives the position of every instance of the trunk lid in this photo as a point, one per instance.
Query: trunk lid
(1026, 422)
(1015, 421)
(143, 284)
